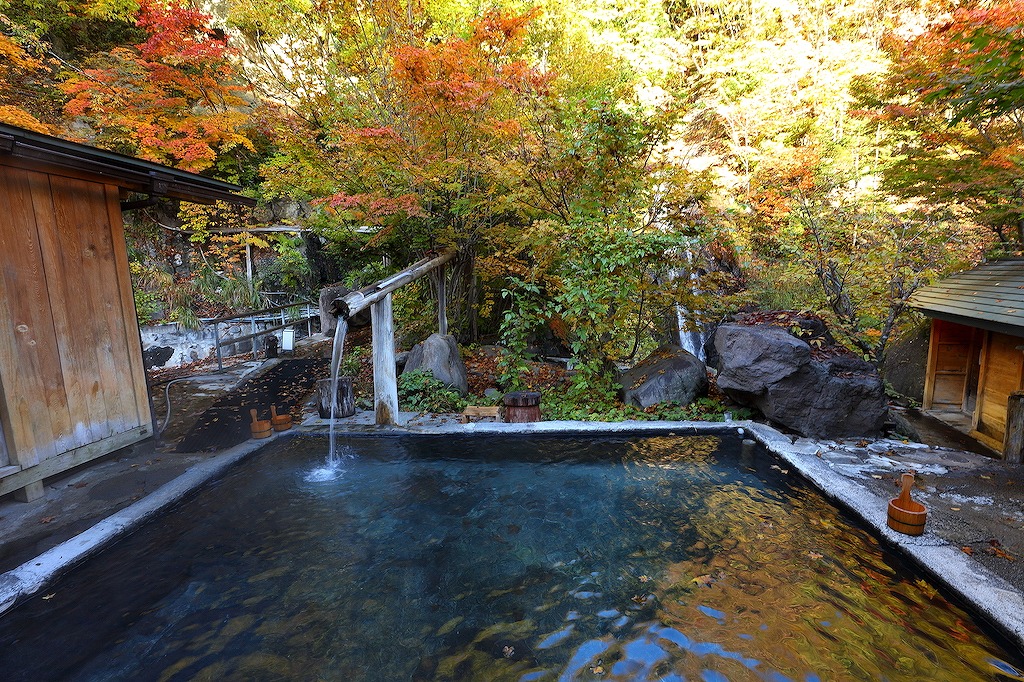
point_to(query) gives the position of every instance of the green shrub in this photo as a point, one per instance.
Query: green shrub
(419, 391)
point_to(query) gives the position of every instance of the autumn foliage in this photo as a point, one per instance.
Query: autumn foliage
(174, 98)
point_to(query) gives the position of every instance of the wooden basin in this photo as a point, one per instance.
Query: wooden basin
(260, 427)
(905, 515)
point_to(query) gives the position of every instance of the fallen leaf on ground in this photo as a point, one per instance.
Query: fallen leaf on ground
(814, 555)
(47, 519)
(954, 508)
(987, 478)
(49, 596)
(705, 580)
(995, 551)
(969, 551)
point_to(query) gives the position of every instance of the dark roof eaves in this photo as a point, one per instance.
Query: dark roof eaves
(117, 167)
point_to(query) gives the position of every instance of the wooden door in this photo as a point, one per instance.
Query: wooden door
(950, 355)
(72, 384)
(1002, 366)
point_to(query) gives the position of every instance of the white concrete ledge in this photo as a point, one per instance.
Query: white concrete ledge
(25, 580)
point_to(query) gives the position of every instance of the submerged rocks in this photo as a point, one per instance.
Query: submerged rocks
(440, 355)
(669, 375)
(768, 368)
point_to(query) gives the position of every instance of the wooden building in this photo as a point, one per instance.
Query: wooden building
(72, 382)
(976, 350)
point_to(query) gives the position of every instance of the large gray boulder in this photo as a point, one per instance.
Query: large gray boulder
(768, 368)
(669, 375)
(440, 355)
(328, 322)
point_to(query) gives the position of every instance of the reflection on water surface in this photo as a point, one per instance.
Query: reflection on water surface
(441, 558)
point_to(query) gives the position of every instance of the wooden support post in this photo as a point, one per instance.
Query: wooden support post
(442, 302)
(1013, 444)
(30, 493)
(385, 381)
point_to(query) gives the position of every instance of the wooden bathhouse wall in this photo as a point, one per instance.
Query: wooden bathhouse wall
(72, 382)
(974, 371)
(1001, 373)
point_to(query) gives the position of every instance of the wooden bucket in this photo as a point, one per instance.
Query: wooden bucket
(522, 406)
(905, 515)
(260, 427)
(346, 398)
(280, 422)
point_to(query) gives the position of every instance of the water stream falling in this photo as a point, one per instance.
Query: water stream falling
(691, 340)
(331, 469)
(336, 352)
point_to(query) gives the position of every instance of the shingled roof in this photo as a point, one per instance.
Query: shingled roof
(990, 296)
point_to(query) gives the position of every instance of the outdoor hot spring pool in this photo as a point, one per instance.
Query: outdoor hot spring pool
(500, 558)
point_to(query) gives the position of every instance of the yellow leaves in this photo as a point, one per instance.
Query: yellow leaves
(22, 119)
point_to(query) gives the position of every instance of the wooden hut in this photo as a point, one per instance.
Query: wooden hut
(72, 382)
(975, 358)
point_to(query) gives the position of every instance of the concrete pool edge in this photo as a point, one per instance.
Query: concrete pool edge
(22, 582)
(992, 597)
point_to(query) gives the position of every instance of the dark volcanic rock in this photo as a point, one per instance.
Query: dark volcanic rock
(770, 369)
(157, 356)
(440, 355)
(669, 375)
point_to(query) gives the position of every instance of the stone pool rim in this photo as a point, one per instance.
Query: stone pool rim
(991, 597)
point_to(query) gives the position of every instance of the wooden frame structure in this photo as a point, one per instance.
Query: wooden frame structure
(72, 382)
(976, 350)
(377, 297)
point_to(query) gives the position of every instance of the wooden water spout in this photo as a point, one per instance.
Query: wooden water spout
(906, 515)
(378, 298)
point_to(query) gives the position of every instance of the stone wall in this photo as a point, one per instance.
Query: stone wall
(169, 345)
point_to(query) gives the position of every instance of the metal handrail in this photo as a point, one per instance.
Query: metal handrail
(252, 317)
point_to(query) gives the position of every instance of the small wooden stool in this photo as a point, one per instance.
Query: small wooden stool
(478, 412)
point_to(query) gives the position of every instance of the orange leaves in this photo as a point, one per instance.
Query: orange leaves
(373, 208)
(173, 98)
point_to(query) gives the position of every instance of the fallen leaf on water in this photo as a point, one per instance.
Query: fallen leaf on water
(597, 669)
(987, 478)
(705, 580)
(47, 519)
(508, 651)
(645, 578)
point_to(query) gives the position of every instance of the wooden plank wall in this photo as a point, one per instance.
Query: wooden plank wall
(71, 370)
(1002, 370)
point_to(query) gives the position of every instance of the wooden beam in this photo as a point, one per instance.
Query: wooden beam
(352, 303)
(72, 458)
(385, 380)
